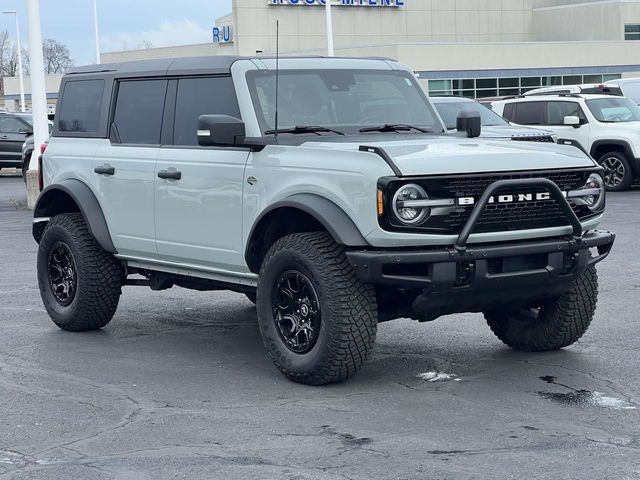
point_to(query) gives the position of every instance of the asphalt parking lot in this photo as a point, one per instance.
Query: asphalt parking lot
(179, 386)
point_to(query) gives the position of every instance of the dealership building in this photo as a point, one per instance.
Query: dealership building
(476, 48)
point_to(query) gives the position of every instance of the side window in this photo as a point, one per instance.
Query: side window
(556, 111)
(529, 113)
(508, 112)
(201, 96)
(139, 108)
(81, 106)
(12, 125)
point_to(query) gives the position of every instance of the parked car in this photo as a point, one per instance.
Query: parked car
(348, 208)
(607, 127)
(14, 129)
(27, 150)
(588, 88)
(493, 125)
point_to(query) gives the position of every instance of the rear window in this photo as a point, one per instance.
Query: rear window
(81, 106)
(139, 109)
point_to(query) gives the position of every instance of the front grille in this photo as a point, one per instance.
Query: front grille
(534, 138)
(500, 216)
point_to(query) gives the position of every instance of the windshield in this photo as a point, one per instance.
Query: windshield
(614, 110)
(449, 112)
(342, 100)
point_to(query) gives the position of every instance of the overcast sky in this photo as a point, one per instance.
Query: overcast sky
(123, 24)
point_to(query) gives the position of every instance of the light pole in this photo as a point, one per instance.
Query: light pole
(20, 74)
(95, 30)
(327, 5)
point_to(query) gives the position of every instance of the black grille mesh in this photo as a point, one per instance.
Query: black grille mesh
(501, 216)
(534, 138)
(513, 216)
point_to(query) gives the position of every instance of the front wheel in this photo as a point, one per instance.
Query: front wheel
(553, 324)
(80, 283)
(317, 320)
(618, 174)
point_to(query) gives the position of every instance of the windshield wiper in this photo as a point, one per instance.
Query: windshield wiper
(395, 127)
(304, 129)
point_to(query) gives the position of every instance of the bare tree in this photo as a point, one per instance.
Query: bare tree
(146, 44)
(57, 57)
(5, 51)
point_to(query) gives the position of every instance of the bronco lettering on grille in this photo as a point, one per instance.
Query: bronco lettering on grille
(509, 198)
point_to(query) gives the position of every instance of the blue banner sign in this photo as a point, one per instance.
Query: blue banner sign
(340, 3)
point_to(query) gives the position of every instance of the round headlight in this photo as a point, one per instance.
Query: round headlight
(404, 204)
(595, 200)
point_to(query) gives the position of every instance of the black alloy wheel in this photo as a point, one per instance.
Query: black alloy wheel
(296, 311)
(63, 276)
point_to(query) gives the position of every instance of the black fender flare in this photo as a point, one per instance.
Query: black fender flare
(87, 204)
(328, 214)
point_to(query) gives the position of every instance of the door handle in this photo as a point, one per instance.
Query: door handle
(105, 170)
(170, 174)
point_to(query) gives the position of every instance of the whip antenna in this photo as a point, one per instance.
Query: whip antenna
(277, 76)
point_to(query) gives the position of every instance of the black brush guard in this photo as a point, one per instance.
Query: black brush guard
(484, 275)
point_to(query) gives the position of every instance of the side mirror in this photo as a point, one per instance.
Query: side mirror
(220, 131)
(572, 121)
(470, 123)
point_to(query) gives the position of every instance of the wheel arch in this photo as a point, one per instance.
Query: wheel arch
(299, 213)
(68, 196)
(601, 147)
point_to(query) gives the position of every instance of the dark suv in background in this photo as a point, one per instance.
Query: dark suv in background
(14, 130)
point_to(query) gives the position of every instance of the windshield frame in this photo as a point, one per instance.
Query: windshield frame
(349, 129)
(633, 108)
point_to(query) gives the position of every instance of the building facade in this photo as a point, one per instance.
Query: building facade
(475, 48)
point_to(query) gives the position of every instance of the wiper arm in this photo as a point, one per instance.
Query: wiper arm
(395, 127)
(304, 129)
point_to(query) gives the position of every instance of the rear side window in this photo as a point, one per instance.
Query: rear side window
(529, 113)
(81, 106)
(12, 125)
(138, 115)
(556, 111)
(201, 96)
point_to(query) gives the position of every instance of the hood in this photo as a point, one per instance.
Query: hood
(509, 131)
(441, 155)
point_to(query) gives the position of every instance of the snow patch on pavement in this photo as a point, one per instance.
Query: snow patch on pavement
(436, 376)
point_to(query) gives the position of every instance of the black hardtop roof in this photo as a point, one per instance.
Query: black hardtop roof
(215, 64)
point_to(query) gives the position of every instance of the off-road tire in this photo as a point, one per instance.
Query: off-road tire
(25, 168)
(252, 297)
(561, 321)
(628, 176)
(348, 309)
(99, 276)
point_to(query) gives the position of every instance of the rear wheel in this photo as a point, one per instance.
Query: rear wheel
(25, 168)
(317, 320)
(79, 281)
(618, 174)
(553, 324)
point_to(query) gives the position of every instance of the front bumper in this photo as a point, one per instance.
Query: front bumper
(442, 281)
(483, 266)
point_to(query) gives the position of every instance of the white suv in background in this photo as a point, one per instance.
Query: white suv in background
(624, 87)
(605, 126)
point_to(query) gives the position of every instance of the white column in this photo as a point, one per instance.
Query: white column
(329, 28)
(95, 30)
(38, 86)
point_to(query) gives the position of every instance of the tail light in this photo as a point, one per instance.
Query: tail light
(43, 147)
(40, 178)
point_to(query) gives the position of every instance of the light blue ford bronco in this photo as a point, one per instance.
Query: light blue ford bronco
(323, 189)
